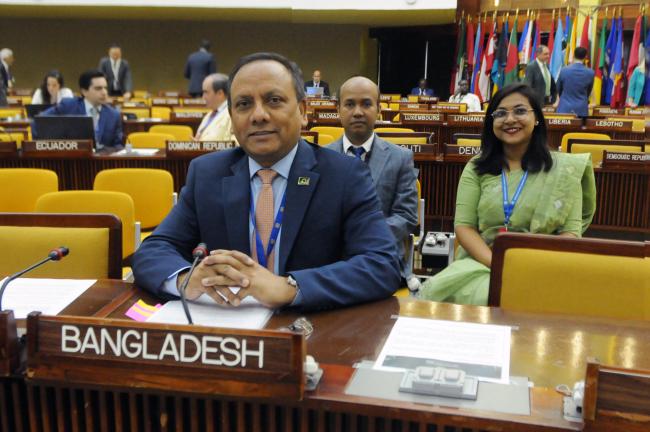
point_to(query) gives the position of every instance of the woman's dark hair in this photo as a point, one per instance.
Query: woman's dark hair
(492, 159)
(47, 97)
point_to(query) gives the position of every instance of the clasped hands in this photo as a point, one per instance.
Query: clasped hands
(223, 269)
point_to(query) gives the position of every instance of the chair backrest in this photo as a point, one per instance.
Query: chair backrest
(335, 131)
(140, 94)
(117, 203)
(149, 139)
(21, 187)
(596, 150)
(152, 191)
(140, 113)
(394, 106)
(471, 142)
(12, 112)
(392, 129)
(405, 140)
(581, 135)
(161, 112)
(324, 139)
(94, 240)
(604, 278)
(180, 132)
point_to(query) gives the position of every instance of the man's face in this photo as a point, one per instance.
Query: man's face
(543, 56)
(9, 60)
(422, 84)
(115, 53)
(265, 112)
(97, 92)
(463, 87)
(316, 76)
(358, 108)
(212, 99)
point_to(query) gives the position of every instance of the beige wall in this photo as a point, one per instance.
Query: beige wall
(157, 50)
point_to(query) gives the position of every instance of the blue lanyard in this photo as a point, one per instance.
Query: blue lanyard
(509, 206)
(262, 258)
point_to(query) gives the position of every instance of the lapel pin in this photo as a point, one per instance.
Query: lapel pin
(303, 181)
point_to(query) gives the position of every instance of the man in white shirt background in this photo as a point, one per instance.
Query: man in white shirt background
(463, 95)
(216, 125)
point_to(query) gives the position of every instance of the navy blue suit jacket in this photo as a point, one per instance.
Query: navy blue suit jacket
(574, 87)
(199, 65)
(427, 91)
(110, 120)
(335, 241)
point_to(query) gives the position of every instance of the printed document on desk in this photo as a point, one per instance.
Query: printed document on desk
(481, 350)
(250, 314)
(49, 296)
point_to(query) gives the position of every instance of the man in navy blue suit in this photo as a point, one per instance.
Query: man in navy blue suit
(574, 86)
(106, 119)
(422, 89)
(329, 245)
(199, 65)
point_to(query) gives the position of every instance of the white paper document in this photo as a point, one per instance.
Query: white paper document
(481, 350)
(250, 314)
(49, 296)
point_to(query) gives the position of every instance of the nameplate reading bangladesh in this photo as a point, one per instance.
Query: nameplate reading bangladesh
(197, 147)
(57, 148)
(179, 358)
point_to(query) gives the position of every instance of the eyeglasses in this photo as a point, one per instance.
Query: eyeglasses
(518, 113)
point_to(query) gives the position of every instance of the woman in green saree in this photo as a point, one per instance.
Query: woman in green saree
(515, 184)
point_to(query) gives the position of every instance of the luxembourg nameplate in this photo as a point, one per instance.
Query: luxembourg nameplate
(421, 117)
(177, 358)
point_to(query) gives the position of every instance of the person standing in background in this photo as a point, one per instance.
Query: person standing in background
(574, 86)
(6, 79)
(117, 72)
(199, 65)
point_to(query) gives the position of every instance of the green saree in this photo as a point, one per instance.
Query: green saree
(560, 200)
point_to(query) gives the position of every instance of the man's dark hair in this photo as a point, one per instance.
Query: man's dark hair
(580, 53)
(540, 49)
(86, 78)
(205, 44)
(294, 70)
(219, 82)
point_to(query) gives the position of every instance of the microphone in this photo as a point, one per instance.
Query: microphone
(199, 252)
(54, 255)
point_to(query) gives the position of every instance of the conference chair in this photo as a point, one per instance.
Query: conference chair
(144, 94)
(149, 139)
(12, 112)
(405, 140)
(413, 241)
(324, 139)
(180, 132)
(597, 150)
(94, 241)
(6, 136)
(141, 113)
(581, 135)
(21, 187)
(152, 191)
(554, 274)
(393, 129)
(84, 201)
(335, 132)
(161, 112)
(471, 142)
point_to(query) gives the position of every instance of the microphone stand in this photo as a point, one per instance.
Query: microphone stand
(199, 252)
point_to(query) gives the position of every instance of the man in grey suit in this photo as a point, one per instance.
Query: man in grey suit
(117, 72)
(199, 65)
(391, 166)
(539, 77)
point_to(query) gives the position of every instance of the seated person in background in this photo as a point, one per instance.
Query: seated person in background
(391, 166)
(106, 119)
(422, 89)
(463, 95)
(216, 125)
(51, 90)
(329, 245)
(316, 83)
(546, 193)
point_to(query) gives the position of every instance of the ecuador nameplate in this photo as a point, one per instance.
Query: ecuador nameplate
(421, 117)
(176, 358)
(609, 125)
(58, 148)
(195, 148)
(465, 119)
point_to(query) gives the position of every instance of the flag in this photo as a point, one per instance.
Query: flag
(551, 36)
(557, 59)
(486, 66)
(500, 58)
(584, 39)
(512, 63)
(647, 68)
(634, 48)
(469, 41)
(609, 61)
(618, 97)
(566, 39)
(458, 57)
(571, 40)
(536, 40)
(478, 52)
(599, 65)
(525, 42)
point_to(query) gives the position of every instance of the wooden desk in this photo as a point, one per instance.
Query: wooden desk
(549, 349)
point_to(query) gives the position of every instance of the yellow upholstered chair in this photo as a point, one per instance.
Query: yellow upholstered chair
(553, 274)
(471, 142)
(335, 132)
(413, 242)
(152, 191)
(20, 188)
(596, 150)
(149, 139)
(393, 129)
(383, 105)
(581, 135)
(405, 140)
(144, 94)
(559, 116)
(140, 113)
(19, 137)
(647, 148)
(84, 201)
(394, 106)
(12, 112)
(413, 98)
(180, 132)
(94, 241)
(161, 112)
(324, 139)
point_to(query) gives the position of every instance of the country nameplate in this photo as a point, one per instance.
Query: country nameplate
(63, 148)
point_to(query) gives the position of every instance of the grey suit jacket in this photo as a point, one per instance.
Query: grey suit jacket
(535, 79)
(393, 175)
(124, 80)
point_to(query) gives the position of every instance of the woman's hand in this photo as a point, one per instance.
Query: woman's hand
(473, 243)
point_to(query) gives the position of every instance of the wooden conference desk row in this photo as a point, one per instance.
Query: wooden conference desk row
(548, 349)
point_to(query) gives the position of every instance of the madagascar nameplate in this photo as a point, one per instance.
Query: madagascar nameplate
(193, 359)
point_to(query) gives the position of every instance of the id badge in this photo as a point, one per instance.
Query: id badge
(503, 229)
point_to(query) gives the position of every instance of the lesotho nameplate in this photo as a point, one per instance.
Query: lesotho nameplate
(609, 125)
(58, 148)
(195, 148)
(421, 117)
(177, 358)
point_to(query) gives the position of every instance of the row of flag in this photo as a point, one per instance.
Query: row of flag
(493, 62)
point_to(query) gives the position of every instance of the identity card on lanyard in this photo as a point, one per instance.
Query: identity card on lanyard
(509, 206)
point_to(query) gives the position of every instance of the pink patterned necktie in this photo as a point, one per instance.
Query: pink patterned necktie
(264, 215)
